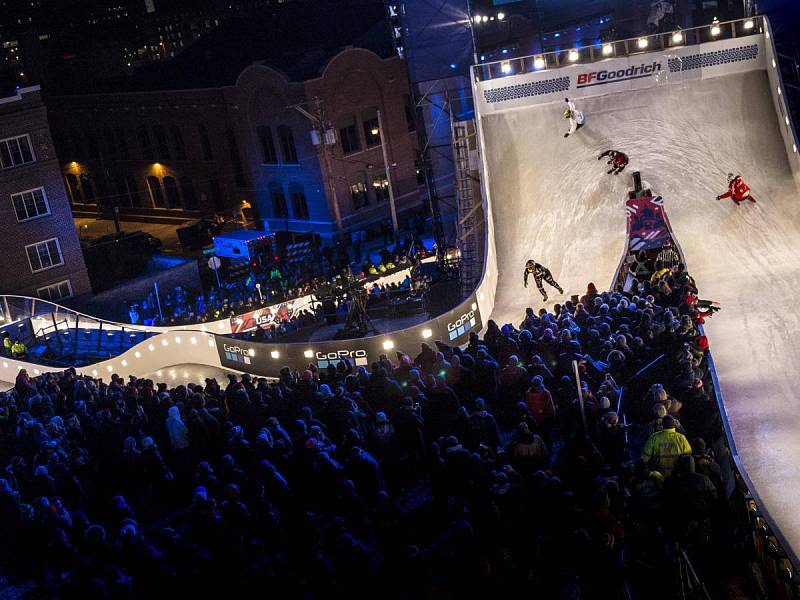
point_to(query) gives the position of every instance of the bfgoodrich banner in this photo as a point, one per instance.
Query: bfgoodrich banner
(664, 67)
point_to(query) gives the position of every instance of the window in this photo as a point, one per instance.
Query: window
(44, 255)
(348, 136)
(205, 143)
(122, 191)
(189, 194)
(233, 150)
(358, 191)
(279, 208)
(110, 142)
(286, 141)
(380, 183)
(30, 204)
(161, 142)
(299, 203)
(88, 188)
(122, 143)
(171, 189)
(145, 144)
(370, 122)
(180, 147)
(156, 193)
(133, 191)
(268, 154)
(74, 188)
(410, 112)
(16, 151)
(56, 291)
(92, 147)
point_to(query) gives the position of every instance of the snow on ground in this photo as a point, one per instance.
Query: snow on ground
(553, 202)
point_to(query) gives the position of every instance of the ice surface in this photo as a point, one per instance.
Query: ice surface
(552, 201)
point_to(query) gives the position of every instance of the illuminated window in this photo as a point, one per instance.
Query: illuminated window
(299, 203)
(30, 204)
(380, 183)
(358, 191)
(370, 122)
(74, 189)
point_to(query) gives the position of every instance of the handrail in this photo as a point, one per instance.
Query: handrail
(578, 55)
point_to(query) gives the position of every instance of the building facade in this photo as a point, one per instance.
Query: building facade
(190, 153)
(41, 252)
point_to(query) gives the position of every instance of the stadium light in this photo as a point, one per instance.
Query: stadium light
(484, 18)
(275, 354)
(749, 24)
(308, 353)
(715, 30)
(388, 345)
(642, 43)
(538, 63)
(677, 37)
(607, 49)
(478, 18)
(426, 333)
(505, 66)
(501, 16)
(137, 354)
(573, 56)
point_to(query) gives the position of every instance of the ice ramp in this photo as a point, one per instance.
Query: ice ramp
(684, 130)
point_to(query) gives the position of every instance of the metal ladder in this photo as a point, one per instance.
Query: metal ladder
(470, 217)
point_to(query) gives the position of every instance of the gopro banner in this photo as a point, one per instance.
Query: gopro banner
(266, 359)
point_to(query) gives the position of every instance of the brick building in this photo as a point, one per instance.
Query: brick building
(191, 152)
(41, 253)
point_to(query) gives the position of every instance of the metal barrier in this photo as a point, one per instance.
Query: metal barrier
(628, 47)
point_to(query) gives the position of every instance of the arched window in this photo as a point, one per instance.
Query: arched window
(286, 141)
(372, 135)
(133, 191)
(145, 144)
(279, 208)
(161, 142)
(74, 189)
(171, 190)
(189, 194)
(299, 203)
(348, 135)
(156, 193)
(358, 190)
(180, 147)
(380, 183)
(88, 188)
(268, 154)
(205, 142)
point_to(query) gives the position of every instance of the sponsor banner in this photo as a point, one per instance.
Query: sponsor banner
(270, 315)
(266, 359)
(662, 67)
(648, 227)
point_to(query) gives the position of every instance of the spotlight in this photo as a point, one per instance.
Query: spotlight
(501, 16)
(308, 354)
(275, 354)
(749, 24)
(484, 18)
(252, 352)
(426, 333)
(538, 63)
(573, 56)
(505, 66)
(642, 43)
(388, 345)
(109, 368)
(715, 30)
(607, 49)
(677, 37)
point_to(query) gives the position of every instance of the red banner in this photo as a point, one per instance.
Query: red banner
(262, 317)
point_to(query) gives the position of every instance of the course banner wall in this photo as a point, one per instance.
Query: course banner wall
(648, 69)
(452, 328)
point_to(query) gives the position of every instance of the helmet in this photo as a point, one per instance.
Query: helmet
(530, 264)
(731, 177)
(567, 114)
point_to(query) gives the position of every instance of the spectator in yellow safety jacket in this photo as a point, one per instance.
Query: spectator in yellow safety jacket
(665, 447)
(7, 345)
(660, 272)
(18, 349)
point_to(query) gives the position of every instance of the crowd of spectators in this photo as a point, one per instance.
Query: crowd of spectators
(470, 472)
(268, 284)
